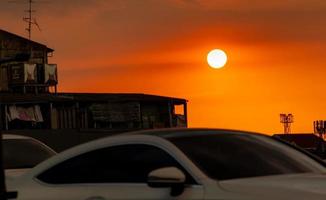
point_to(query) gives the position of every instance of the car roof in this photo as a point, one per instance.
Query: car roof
(185, 132)
(165, 134)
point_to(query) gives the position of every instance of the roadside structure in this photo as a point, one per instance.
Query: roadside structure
(308, 141)
(24, 66)
(29, 98)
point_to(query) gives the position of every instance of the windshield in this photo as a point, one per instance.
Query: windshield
(231, 156)
(24, 153)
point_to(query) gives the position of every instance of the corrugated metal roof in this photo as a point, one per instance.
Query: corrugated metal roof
(27, 40)
(119, 97)
(8, 98)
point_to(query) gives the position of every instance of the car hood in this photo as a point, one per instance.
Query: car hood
(297, 186)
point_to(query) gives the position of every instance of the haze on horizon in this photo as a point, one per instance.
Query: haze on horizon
(275, 50)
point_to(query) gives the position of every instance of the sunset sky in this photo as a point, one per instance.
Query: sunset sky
(276, 52)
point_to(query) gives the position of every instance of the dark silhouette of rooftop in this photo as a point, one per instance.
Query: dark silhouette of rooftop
(304, 140)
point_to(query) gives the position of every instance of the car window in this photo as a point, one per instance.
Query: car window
(24, 153)
(118, 164)
(231, 156)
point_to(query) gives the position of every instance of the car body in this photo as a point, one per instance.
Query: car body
(21, 153)
(176, 164)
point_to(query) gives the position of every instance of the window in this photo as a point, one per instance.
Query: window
(230, 156)
(119, 164)
(24, 153)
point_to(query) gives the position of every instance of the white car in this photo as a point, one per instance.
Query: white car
(21, 153)
(177, 164)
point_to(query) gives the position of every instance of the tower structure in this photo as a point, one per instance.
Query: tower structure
(30, 20)
(320, 128)
(286, 120)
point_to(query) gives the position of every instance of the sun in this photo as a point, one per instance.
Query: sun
(217, 58)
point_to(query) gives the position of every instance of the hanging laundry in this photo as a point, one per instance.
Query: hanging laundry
(32, 113)
(30, 72)
(26, 114)
(38, 114)
(50, 73)
(13, 113)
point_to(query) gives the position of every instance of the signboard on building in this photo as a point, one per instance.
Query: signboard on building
(116, 112)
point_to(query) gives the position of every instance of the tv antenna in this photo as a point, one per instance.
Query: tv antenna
(30, 20)
(286, 120)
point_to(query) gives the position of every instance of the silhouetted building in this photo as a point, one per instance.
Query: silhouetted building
(307, 141)
(90, 111)
(24, 65)
(29, 99)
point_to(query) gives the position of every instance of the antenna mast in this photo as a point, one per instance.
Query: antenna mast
(286, 120)
(30, 20)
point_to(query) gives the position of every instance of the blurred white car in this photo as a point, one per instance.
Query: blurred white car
(21, 153)
(177, 164)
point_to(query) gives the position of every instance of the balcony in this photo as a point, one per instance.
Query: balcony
(32, 78)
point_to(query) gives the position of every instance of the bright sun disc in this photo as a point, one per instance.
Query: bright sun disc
(217, 58)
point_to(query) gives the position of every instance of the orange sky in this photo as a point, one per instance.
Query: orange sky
(275, 49)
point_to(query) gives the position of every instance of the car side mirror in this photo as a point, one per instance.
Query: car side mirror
(167, 177)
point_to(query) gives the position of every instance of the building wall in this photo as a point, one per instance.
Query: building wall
(3, 78)
(77, 115)
(10, 47)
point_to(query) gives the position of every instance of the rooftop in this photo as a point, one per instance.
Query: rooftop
(6, 33)
(304, 140)
(9, 98)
